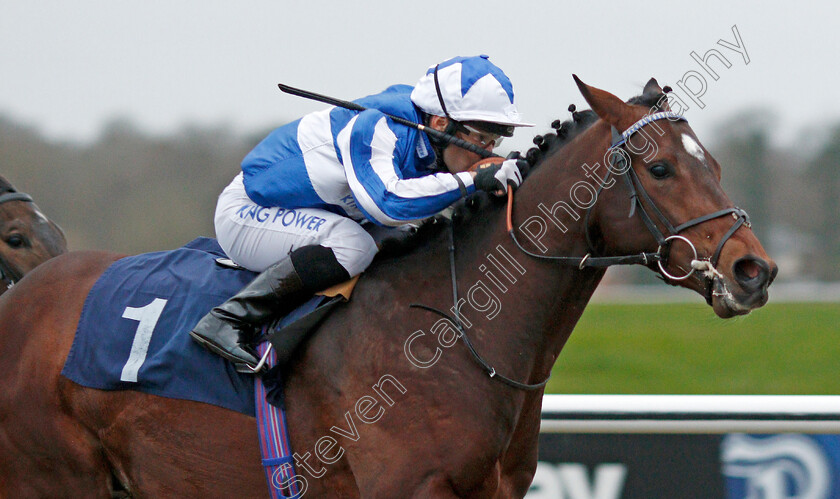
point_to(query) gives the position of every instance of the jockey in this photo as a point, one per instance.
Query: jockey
(294, 212)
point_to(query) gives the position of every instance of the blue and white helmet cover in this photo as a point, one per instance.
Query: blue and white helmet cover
(472, 88)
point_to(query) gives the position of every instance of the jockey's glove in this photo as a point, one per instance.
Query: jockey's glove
(495, 174)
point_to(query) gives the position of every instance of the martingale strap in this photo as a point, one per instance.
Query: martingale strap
(620, 163)
(458, 323)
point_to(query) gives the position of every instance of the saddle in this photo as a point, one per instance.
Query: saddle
(133, 333)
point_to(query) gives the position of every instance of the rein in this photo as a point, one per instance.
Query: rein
(619, 162)
(7, 274)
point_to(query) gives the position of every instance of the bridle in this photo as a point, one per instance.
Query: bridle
(619, 162)
(639, 198)
(7, 273)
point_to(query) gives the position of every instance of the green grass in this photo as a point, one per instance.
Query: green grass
(786, 348)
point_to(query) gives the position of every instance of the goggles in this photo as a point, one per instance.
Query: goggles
(481, 137)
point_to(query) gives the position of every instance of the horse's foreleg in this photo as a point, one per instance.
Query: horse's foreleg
(56, 460)
(440, 486)
(437, 487)
(45, 451)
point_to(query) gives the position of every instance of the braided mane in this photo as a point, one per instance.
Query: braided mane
(565, 131)
(479, 202)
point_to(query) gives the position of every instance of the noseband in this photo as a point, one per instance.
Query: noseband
(619, 162)
(7, 273)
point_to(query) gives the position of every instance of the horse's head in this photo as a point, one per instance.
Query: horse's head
(663, 195)
(27, 237)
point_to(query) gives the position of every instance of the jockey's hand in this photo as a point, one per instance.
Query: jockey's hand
(521, 163)
(495, 174)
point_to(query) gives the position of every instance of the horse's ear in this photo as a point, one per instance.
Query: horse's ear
(606, 105)
(654, 93)
(652, 88)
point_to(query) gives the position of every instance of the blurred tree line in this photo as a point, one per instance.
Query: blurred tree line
(127, 191)
(131, 192)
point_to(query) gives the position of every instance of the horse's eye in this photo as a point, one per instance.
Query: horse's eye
(16, 241)
(661, 171)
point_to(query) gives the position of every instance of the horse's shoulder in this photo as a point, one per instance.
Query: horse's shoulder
(85, 259)
(75, 267)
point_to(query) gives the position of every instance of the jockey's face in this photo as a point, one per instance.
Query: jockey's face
(455, 158)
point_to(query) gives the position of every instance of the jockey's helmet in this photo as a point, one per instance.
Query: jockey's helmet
(469, 89)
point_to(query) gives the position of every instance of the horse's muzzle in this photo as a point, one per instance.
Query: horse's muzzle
(750, 276)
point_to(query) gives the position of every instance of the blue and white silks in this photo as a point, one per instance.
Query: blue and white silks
(359, 165)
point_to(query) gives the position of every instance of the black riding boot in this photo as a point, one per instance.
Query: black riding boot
(228, 328)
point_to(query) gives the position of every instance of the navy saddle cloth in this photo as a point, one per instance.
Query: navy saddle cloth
(133, 333)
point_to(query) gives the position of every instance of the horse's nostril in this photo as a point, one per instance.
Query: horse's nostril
(752, 273)
(750, 269)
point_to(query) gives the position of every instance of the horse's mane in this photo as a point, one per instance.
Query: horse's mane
(478, 203)
(564, 131)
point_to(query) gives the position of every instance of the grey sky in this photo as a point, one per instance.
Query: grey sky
(67, 67)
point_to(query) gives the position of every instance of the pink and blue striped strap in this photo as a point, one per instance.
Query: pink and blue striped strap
(273, 434)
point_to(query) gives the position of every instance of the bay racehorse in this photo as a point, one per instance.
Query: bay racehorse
(27, 237)
(384, 400)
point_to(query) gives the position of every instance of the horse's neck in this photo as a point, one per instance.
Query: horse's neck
(538, 311)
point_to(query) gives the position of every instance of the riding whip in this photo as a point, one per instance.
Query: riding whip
(451, 139)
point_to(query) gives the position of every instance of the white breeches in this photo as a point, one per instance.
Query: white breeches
(257, 237)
